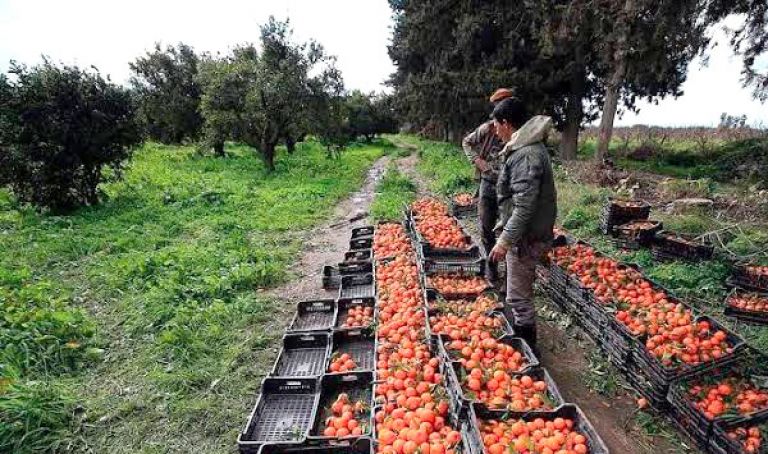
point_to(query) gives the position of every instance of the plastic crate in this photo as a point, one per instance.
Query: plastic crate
(358, 255)
(720, 443)
(358, 386)
(360, 267)
(283, 413)
(361, 243)
(671, 246)
(363, 445)
(614, 214)
(357, 286)
(331, 278)
(569, 411)
(434, 300)
(461, 211)
(743, 278)
(473, 267)
(302, 355)
(453, 295)
(505, 330)
(347, 303)
(643, 237)
(365, 231)
(690, 416)
(756, 317)
(517, 343)
(314, 315)
(454, 377)
(358, 343)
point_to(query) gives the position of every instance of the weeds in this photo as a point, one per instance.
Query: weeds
(393, 193)
(156, 292)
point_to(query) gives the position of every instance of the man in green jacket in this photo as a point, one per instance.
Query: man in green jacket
(482, 148)
(527, 208)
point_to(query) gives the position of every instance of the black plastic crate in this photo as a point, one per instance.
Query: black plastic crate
(581, 425)
(357, 286)
(302, 355)
(360, 344)
(743, 278)
(283, 413)
(359, 267)
(672, 246)
(668, 375)
(505, 330)
(363, 445)
(347, 303)
(365, 231)
(314, 315)
(474, 267)
(517, 343)
(331, 277)
(721, 443)
(684, 408)
(437, 302)
(455, 374)
(461, 211)
(361, 243)
(643, 237)
(453, 295)
(756, 317)
(358, 386)
(358, 255)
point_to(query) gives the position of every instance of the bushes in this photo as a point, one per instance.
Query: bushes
(59, 128)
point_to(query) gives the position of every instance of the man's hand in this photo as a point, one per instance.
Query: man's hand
(498, 253)
(482, 164)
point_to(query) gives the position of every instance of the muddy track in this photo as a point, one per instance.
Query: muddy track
(326, 244)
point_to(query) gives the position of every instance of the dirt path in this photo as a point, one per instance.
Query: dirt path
(326, 244)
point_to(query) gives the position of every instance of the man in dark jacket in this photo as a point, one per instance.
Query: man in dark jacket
(482, 148)
(527, 208)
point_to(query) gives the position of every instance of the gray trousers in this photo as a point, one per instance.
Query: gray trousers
(521, 271)
(487, 213)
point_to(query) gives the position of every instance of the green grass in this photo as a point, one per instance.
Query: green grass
(393, 192)
(447, 169)
(138, 325)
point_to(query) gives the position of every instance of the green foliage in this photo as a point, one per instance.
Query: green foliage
(448, 168)
(166, 84)
(60, 127)
(393, 192)
(39, 330)
(172, 268)
(262, 98)
(34, 417)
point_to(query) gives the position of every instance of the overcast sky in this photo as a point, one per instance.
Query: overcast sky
(109, 34)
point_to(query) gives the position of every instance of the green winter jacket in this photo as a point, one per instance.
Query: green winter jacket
(526, 187)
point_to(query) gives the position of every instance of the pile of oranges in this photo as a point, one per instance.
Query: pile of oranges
(537, 436)
(463, 306)
(474, 325)
(750, 438)
(463, 199)
(751, 302)
(342, 363)
(438, 228)
(729, 396)
(390, 240)
(672, 335)
(485, 353)
(348, 419)
(502, 391)
(413, 402)
(457, 284)
(358, 317)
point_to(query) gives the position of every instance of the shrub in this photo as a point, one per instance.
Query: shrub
(59, 128)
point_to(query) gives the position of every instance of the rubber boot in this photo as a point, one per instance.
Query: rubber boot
(492, 272)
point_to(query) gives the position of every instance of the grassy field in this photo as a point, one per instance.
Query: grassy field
(393, 192)
(138, 325)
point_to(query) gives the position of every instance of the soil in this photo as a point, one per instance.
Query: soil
(326, 244)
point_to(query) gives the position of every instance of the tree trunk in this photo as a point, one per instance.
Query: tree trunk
(609, 110)
(268, 153)
(290, 145)
(218, 148)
